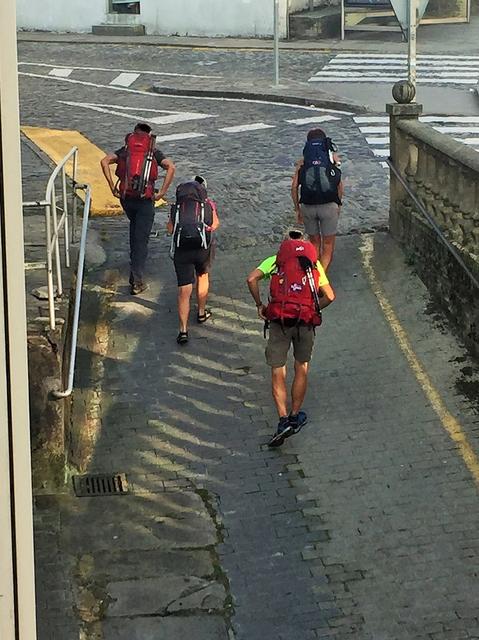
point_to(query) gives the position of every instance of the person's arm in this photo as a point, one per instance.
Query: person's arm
(341, 191)
(253, 281)
(169, 166)
(105, 163)
(327, 297)
(216, 221)
(295, 193)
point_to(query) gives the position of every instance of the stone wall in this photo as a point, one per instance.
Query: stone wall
(444, 176)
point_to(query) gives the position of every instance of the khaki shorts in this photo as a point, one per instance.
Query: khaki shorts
(279, 342)
(320, 219)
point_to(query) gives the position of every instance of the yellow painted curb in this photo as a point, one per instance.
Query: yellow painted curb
(56, 143)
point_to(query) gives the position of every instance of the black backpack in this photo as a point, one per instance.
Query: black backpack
(319, 178)
(191, 215)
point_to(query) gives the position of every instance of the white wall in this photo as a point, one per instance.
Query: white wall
(211, 17)
(252, 18)
(60, 15)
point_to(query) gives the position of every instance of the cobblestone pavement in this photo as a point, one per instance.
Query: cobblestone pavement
(364, 526)
(248, 172)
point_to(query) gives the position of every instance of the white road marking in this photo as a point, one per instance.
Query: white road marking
(247, 127)
(379, 68)
(359, 78)
(312, 120)
(457, 129)
(379, 141)
(382, 153)
(180, 136)
(384, 164)
(288, 105)
(405, 55)
(137, 113)
(374, 129)
(444, 124)
(61, 72)
(125, 79)
(146, 72)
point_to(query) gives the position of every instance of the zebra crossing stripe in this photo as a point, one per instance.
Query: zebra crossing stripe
(380, 68)
(373, 126)
(60, 72)
(125, 79)
(312, 120)
(405, 55)
(180, 136)
(247, 127)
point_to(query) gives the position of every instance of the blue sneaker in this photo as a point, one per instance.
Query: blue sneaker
(297, 422)
(283, 431)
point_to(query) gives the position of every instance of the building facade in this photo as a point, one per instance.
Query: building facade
(248, 18)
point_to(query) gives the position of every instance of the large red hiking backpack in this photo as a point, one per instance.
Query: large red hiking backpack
(293, 292)
(137, 168)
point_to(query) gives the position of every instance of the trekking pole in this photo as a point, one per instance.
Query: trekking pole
(148, 162)
(314, 291)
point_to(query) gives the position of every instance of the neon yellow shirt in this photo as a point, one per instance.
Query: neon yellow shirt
(268, 267)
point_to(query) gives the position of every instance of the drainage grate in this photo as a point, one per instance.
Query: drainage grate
(100, 485)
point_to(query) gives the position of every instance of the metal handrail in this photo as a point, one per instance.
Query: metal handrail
(54, 225)
(78, 292)
(432, 222)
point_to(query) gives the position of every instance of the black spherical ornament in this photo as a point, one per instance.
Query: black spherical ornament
(404, 92)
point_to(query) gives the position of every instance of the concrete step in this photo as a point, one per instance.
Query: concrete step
(324, 22)
(118, 30)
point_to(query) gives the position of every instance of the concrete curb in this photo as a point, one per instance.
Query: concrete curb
(326, 102)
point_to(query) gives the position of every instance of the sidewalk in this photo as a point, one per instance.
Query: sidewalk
(451, 38)
(363, 526)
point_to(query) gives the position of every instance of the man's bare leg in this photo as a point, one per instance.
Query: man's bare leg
(299, 386)
(327, 252)
(280, 393)
(184, 295)
(316, 241)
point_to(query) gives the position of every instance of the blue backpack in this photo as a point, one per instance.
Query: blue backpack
(319, 177)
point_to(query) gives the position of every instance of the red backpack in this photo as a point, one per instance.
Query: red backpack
(137, 168)
(294, 287)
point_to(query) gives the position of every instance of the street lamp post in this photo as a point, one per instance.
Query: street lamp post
(276, 41)
(412, 27)
(17, 584)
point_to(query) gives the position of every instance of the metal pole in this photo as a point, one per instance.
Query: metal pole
(66, 237)
(17, 578)
(412, 24)
(78, 291)
(276, 42)
(74, 197)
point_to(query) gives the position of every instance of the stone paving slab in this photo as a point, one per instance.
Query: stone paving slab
(172, 628)
(363, 527)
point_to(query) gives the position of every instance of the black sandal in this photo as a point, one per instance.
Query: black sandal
(182, 337)
(203, 317)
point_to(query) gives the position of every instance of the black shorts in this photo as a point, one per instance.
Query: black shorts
(190, 262)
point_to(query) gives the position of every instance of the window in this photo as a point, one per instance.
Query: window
(124, 6)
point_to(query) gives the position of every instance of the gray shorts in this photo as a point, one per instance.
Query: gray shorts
(279, 342)
(320, 219)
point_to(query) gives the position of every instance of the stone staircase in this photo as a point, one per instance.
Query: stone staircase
(320, 22)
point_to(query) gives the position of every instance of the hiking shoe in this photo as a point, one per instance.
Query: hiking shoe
(283, 431)
(203, 317)
(182, 337)
(297, 422)
(136, 289)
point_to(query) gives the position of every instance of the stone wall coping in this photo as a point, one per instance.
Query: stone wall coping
(446, 145)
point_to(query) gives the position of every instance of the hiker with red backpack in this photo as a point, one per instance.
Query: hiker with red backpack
(137, 164)
(317, 193)
(299, 290)
(193, 219)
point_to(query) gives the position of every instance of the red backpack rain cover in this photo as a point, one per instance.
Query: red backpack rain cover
(137, 168)
(290, 296)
